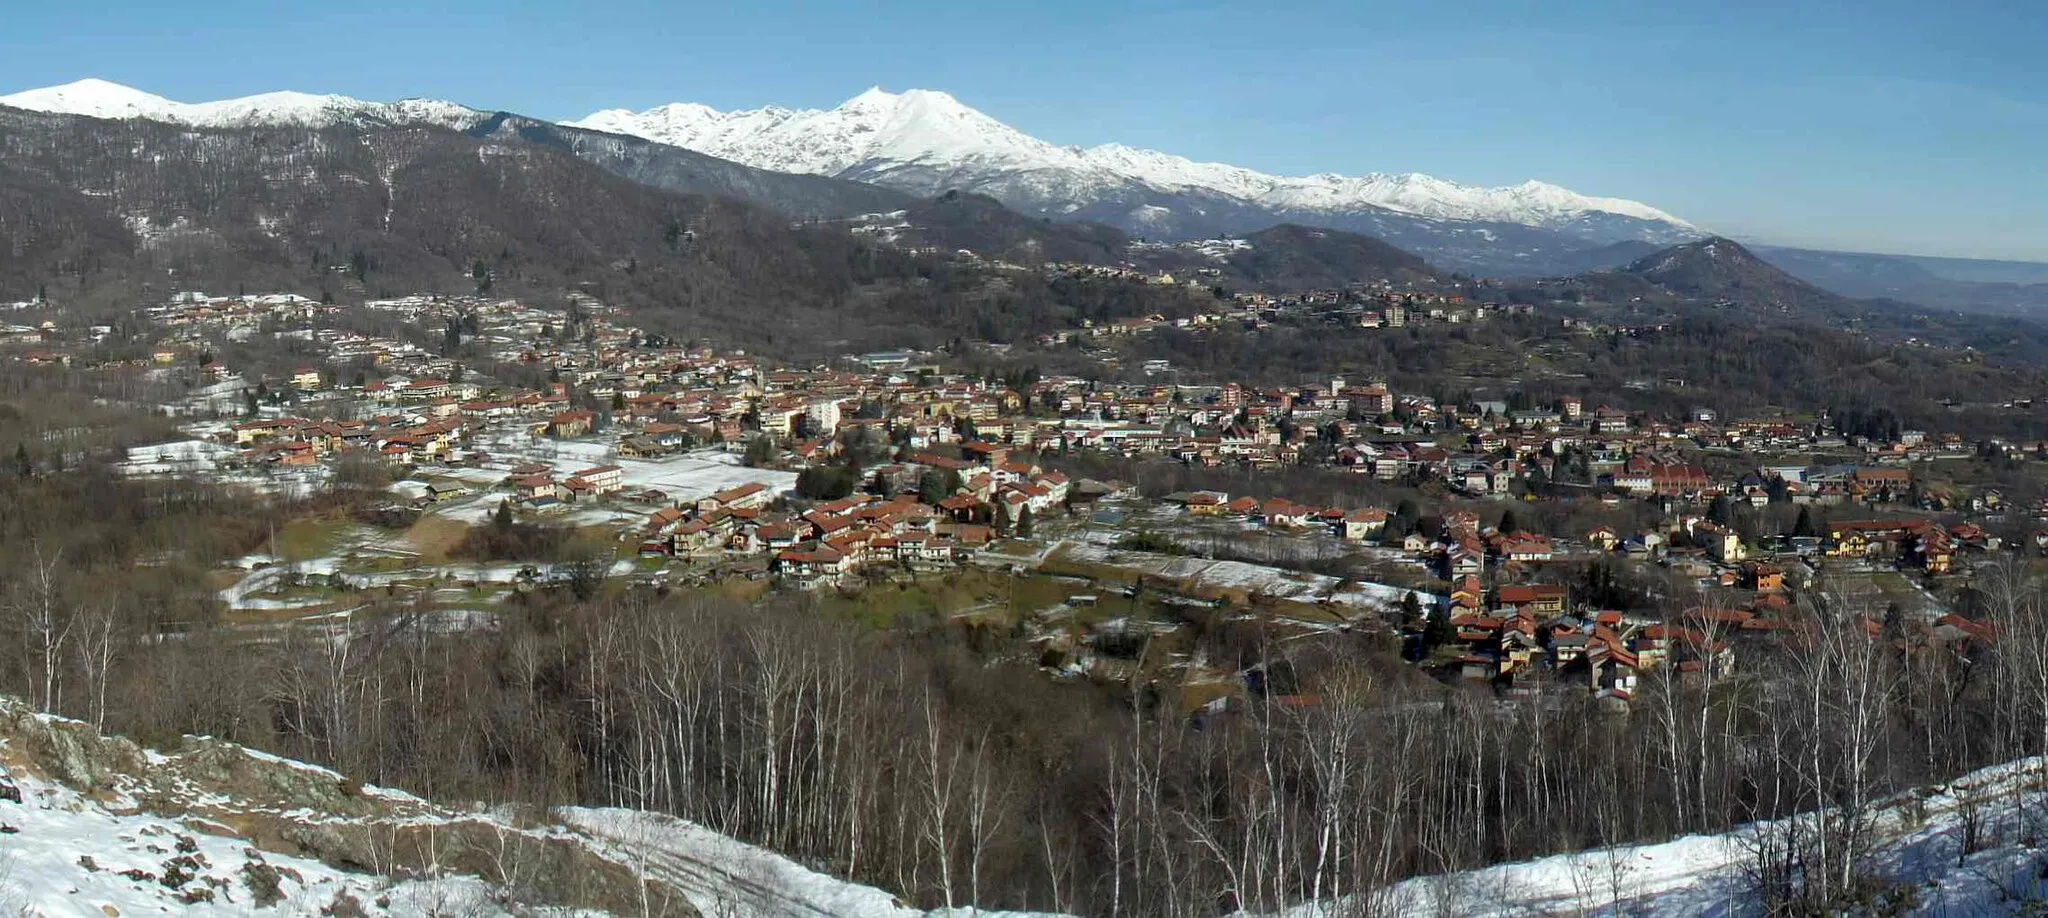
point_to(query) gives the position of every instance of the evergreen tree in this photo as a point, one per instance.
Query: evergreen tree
(1721, 512)
(1508, 522)
(936, 485)
(1803, 527)
(1024, 523)
(23, 466)
(502, 520)
(1440, 631)
(823, 482)
(1407, 517)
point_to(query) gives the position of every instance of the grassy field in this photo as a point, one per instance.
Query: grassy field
(1895, 588)
(301, 540)
(435, 536)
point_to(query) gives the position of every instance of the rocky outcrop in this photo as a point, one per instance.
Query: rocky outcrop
(290, 808)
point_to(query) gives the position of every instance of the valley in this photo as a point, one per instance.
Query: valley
(882, 511)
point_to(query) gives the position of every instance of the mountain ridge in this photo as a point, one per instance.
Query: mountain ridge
(1527, 230)
(1179, 199)
(97, 98)
(877, 133)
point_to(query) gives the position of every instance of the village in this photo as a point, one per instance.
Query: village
(688, 467)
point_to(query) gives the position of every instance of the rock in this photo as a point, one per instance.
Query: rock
(110, 911)
(265, 884)
(344, 906)
(9, 792)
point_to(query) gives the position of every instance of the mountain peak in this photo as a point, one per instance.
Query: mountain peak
(1712, 248)
(1721, 268)
(93, 97)
(874, 97)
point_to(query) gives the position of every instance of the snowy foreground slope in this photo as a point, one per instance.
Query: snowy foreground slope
(104, 828)
(1923, 852)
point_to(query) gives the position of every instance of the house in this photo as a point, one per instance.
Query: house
(1722, 543)
(602, 479)
(1373, 400)
(812, 565)
(751, 494)
(1466, 596)
(1542, 599)
(446, 490)
(1764, 578)
(1603, 538)
(1283, 513)
(1525, 548)
(663, 522)
(1881, 485)
(571, 424)
(1463, 562)
(536, 487)
(1362, 524)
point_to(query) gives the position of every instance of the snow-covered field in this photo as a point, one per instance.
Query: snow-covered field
(184, 457)
(1237, 576)
(685, 477)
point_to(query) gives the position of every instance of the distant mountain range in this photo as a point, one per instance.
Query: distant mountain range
(883, 152)
(102, 99)
(926, 142)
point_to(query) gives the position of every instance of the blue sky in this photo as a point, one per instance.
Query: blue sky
(1873, 125)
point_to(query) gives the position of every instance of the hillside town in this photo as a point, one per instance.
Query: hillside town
(705, 467)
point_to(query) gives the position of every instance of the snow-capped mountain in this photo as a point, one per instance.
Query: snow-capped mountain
(854, 158)
(101, 99)
(927, 142)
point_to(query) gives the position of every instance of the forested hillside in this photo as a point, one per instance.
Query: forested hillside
(105, 215)
(676, 169)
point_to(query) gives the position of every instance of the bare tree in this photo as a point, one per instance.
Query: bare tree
(45, 623)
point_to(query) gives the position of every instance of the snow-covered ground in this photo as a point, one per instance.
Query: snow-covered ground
(684, 477)
(732, 879)
(1237, 576)
(1697, 876)
(71, 855)
(184, 457)
(66, 850)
